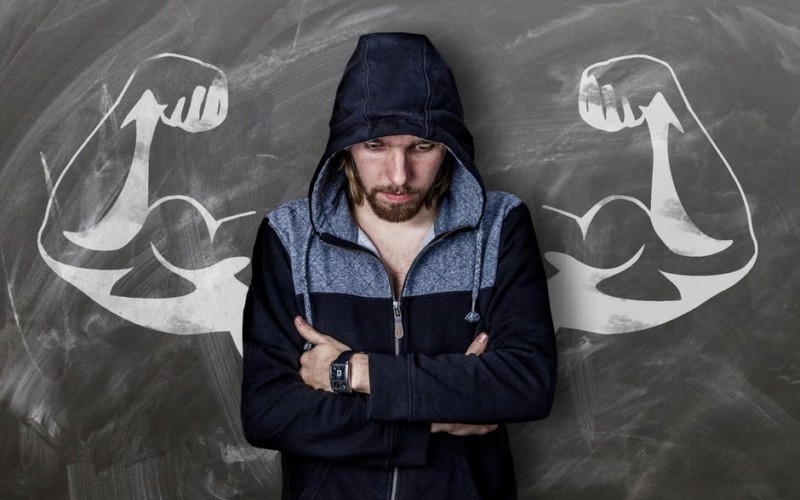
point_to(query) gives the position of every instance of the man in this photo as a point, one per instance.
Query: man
(403, 263)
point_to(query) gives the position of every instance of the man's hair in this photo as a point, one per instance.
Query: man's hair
(355, 189)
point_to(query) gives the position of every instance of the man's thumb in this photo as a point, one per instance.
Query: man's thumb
(478, 345)
(307, 331)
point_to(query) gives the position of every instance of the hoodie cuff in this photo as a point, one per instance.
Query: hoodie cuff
(389, 389)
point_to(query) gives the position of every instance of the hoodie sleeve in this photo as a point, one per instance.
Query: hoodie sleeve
(279, 411)
(513, 381)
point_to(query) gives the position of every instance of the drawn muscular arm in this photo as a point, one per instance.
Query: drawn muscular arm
(642, 91)
(102, 198)
(168, 89)
(703, 238)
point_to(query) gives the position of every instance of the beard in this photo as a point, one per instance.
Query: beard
(396, 212)
(393, 212)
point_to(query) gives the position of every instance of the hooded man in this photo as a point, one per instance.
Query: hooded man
(403, 263)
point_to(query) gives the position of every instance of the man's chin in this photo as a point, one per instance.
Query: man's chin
(396, 212)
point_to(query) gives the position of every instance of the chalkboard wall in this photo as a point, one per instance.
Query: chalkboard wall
(657, 145)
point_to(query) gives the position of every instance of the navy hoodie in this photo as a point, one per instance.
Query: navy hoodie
(480, 271)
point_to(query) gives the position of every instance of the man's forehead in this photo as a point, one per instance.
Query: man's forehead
(400, 139)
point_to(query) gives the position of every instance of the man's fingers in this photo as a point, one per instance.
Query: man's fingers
(479, 430)
(464, 429)
(307, 331)
(478, 345)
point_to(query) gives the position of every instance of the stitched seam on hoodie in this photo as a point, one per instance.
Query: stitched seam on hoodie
(274, 219)
(426, 106)
(366, 90)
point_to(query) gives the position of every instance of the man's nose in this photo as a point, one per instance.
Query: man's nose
(398, 168)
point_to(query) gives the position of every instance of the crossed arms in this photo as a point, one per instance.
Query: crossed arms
(315, 363)
(409, 394)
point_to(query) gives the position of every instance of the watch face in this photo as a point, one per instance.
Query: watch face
(338, 377)
(339, 373)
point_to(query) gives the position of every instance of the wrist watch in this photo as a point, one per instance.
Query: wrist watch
(340, 372)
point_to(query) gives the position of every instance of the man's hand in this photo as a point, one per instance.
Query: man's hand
(464, 429)
(315, 363)
(477, 347)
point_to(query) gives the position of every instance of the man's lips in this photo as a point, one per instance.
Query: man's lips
(397, 198)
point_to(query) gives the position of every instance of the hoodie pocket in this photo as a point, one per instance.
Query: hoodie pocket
(347, 482)
(448, 478)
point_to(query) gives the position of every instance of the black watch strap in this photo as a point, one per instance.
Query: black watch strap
(340, 372)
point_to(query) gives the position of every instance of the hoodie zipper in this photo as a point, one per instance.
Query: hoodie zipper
(395, 478)
(398, 326)
(397, 314)
(399, 333)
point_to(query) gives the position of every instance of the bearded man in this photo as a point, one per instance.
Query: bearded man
(427, 295)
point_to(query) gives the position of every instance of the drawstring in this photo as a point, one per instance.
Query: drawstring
(473, 316)
(306, 293)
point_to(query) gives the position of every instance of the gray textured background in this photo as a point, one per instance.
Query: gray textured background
(92, 406)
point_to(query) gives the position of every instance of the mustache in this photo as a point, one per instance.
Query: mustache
(394, 190)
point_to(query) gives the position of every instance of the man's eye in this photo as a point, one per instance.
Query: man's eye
(424, 147)
(372, 145)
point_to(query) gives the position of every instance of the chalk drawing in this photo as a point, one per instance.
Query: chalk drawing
(575, 299)
(215, 304)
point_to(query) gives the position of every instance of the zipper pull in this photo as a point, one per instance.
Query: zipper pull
(398, 320)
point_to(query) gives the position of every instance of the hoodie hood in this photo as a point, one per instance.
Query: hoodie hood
(396, 84)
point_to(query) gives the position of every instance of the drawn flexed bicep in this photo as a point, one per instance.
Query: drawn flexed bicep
(162, 102)
(636, 91)
(689, 178)
(167, 92)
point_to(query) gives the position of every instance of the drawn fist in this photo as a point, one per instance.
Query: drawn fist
(208, 107)
(616, 94)
(179, 91)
